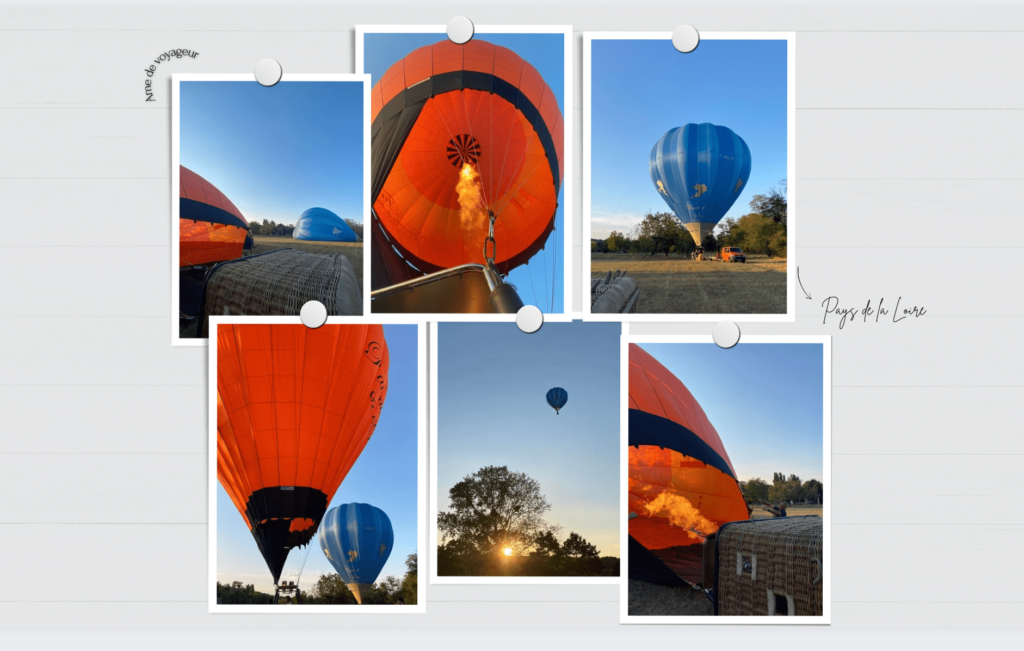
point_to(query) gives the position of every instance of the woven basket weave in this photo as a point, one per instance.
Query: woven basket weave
(770, 567)
(280, 283)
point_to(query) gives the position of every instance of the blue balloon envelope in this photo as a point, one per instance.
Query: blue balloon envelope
(322, 225)
(700, 170)
(557, 398)
(357, 540)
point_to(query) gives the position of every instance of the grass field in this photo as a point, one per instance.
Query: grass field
(648, 599)
(352, 250)
(681, 286)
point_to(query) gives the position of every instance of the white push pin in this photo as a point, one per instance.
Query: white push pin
(726, 334)
(685, 38)
(313, 314)
(268, 72)
(529, 318)
(460, 31)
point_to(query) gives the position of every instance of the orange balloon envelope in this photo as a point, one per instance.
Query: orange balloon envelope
(681, 480)
(210, 227)
(295, 408)
(460, 131)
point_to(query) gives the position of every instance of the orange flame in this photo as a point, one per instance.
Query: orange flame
(472, 212)
(680, 513)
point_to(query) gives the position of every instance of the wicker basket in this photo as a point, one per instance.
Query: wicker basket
(279, 283)
(614, 294)
(770, 567)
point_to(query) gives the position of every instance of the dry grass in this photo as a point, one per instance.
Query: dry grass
(648, 599)
(352, 250)
(682, 286)
(791, 511)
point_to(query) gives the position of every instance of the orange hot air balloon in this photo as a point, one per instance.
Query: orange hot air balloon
(460, 131)
(681, 480)
(295, 408)
(210, 227)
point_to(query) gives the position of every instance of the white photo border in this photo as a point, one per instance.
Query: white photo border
(176, 80)
(791, 178)
(421, 468)
(434, 509)
(826, 424)
(568, 182)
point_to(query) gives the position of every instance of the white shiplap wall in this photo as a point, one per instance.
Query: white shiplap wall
(910, 119)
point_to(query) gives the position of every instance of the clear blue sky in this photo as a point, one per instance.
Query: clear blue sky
(275, 152)
(643, 88)
(536, 280)
(765, 400)
(385, 475)
(492, 411)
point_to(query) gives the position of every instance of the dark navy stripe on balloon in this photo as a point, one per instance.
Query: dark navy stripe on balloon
(199, 211)
(648, 429)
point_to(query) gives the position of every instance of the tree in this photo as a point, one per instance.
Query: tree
(660, 233)
(771, 205)
(357, 227)
(410, 582)
(330, 589)
(576, 546)
(754, 490)
(547, 544)
(493, 509)
(615, 242)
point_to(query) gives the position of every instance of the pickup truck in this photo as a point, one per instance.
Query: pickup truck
(732, 254)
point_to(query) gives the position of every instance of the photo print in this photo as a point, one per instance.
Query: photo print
(726, 480)
(318, 462)
(525, 453)
(470, 169)
(689, 191)
(269, 188)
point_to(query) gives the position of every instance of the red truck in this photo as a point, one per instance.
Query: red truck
(731, 254)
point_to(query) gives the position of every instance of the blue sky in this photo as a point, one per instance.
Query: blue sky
(545, 52)
(385, 475)
(643, 88)
(275, 152)
(765, 400)
(492, 411)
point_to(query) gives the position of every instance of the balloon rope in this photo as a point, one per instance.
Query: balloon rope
(528, 273)
(554, 264)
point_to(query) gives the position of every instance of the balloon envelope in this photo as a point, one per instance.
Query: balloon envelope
(357, 540)
(210, 227)
(295, 408)
(700, 170)
(680, 477)
(322, 225)
(445, 107)
(557, 398)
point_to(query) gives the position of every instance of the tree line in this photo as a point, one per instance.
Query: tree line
(331, 590)
(270, 227)
(495, 526)
(761, 231)
(782, 489)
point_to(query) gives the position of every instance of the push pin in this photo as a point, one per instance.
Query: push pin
(313, 314)
(268, 72)
(529, 318)
(460, 30)
(685, 38)
(726, 334)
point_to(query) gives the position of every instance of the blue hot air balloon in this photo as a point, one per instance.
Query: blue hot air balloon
(357, 540)
(557, 398)
(322, 225)
(700, 170)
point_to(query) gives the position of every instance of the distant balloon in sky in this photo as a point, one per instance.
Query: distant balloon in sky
(557, 398)
(700, 170)
(322, 225)
(357, 540)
